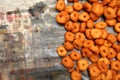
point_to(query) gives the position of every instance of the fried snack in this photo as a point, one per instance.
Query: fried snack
(74, 16)
(111, 22)
(98, 9)
(84, 16)
(68, 46)
(83, 27)
(118, 12)
(112, 53)
(105, 2)
(75, 27)
(90, 24)
(74, 55)
(113, 73)
(107, 43)
(69, 9)
(88, 43)
(80, 36)
(94, 49)
(112, 3)
(94, 71)
(86, 52)
(117, 76)
(87, 6)
(61, 51)
(101, 25)
(111, 38)
(75, 75)
(109, 13)
(67, 62)
(88, 33)
(62, 17)
(108, 75)
(77, 6)
(93, 16)
(116, 47)
(69, 36)
(102, 66)
(118, 56)
(117, 27)
(115, 65)
(77, 43)
(99, 42)
(83, 64)
(96, 33)
(60, 5)
(105, 60)
(104, 51)
(68, 26)
(94, 58)
(118, 37)
(104, 34)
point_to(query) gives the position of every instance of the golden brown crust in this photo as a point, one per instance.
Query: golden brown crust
(82, 64)
(74, 55)
(61, 51)
(75, 75)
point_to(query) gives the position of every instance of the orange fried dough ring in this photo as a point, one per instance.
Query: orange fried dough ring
(104, 51)
(77, 6)
(80, 36)
(68, 46)
(96, 33)
(69, 26)
(87, 6)
(75, 27)
(97, 9)
(88, 43)
(100, 25)
(61, 51)
(67, 62)
(84, 16)
(115, 65)
(75, 75)
(109, 13)
(69, 36)
(74, 55)
(105, 60)
(69, 9)
(74, 16)
(111, 38)
(94, 71)
(82, 64)
(102, 66)
(60, 5)
(111, 22)
(77, 43)
(112, 53)
(86, 52)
